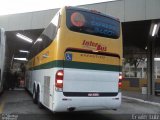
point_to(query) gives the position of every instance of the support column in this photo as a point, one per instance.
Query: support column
(150, 67)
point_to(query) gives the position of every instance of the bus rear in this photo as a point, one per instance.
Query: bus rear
(90, 47)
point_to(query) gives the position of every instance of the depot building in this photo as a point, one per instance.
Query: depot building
(141, 47)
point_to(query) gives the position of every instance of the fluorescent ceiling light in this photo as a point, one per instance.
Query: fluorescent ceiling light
(39, 39)
(154, 30)
(24, 37)
(156, 59)
(21, 59)
(24, 51)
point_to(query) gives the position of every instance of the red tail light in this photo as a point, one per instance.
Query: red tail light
(59, 79)
(120, 81)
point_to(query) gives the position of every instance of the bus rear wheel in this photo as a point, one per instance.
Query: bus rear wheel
(34, 96)
(39, 102)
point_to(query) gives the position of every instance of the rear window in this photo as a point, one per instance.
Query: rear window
(92, 23)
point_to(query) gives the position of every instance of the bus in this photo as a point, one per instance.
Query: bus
(2, 57)
(76, 63)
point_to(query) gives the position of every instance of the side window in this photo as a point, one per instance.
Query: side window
(34, 50)
(49, 33)
(46, 37)
(31, 54)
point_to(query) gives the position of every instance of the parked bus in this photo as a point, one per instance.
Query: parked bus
(2, 57)
(76, 62)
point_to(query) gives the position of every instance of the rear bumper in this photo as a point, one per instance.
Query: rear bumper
(62, 103)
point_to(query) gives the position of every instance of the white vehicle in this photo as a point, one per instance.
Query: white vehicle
(76, 63)
(2, 57)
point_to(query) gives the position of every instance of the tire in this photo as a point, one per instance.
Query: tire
(34, 96)
(38, 99)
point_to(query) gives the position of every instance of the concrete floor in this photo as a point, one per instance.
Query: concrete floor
(19, 104)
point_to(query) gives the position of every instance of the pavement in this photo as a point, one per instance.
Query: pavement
(138, 96)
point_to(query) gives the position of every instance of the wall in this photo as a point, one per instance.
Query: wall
(136, 84)
(125, 10)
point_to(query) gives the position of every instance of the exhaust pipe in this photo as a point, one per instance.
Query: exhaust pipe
(71, 109)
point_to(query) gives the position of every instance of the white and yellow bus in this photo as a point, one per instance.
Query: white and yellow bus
(76, 62)
(2, 57)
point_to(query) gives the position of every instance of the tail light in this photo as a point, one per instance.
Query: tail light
(59, 79)
(120, 81)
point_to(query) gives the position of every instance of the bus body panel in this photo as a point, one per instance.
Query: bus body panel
(84, 72)
(78, 40)
(47, 90)
(63, 103)
(58, 102)
(80, 80)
